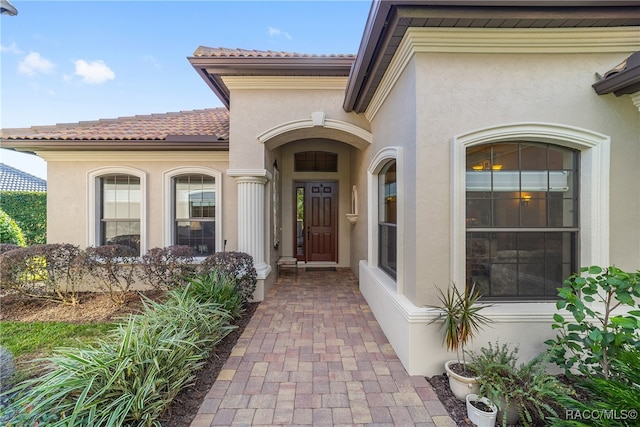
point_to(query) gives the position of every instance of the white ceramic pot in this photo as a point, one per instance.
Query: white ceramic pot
(461, 386)
(478, 416)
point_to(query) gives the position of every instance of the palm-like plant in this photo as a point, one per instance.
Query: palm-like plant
(462, 318)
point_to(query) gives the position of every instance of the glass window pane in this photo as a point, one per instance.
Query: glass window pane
(533, 157)
(505, 157)
(478, 212)
(195, 198)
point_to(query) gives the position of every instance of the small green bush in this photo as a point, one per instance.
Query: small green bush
(32, 221)
(527, 387)
(217, 287)
(130, 378)
(10, 231)
(238, 265)
(613, 402)
(597, 331)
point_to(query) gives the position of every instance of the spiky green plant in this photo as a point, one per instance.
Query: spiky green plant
(217, 287)
(131, 377)
(460, 312)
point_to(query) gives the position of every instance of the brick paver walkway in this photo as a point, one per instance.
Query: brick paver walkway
(313, 354)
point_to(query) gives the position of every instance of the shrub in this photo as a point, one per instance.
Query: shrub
(32, 221)
(131, 377)
(6, 247)
(10, 231)
(7, 367)
(613, 402)
(238, 265)
(114, 267)
(593, 337)
(527, 387)
(167, 268)
(217, 287)
(50, 271)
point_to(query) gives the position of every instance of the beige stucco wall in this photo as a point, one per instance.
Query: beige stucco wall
(255, 112)
(68, 179)
(496, 89)
(437, 97)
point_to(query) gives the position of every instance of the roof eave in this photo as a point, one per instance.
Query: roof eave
(383, 23)
(212, 69)
(172, 143)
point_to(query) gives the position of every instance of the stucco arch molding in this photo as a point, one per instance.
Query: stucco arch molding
(316, 126)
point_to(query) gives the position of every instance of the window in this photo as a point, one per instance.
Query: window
(387, 218)
(316, 161)
(120, 210)
(521, 218)
(194, 214)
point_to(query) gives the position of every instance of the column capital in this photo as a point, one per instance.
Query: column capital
(250, 173)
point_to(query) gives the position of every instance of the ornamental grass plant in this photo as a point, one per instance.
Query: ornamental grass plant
(130, 377)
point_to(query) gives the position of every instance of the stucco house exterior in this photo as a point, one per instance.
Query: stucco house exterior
(487, 142)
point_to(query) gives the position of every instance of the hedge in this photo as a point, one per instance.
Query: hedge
(29, 210)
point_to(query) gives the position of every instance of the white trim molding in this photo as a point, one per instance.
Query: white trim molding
(375, 166)
(317, 125)
(93, 204)
(594, 151)
(168, 237)
(501, 41)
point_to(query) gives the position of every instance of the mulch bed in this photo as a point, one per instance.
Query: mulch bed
(186, 404)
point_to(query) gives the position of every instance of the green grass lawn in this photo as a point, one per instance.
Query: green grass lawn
(25, 338)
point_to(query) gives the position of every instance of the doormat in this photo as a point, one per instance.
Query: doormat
(320, 269)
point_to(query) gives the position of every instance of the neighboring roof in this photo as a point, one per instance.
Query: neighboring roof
(12, 179)
(623, 79)
(212, 64)
(197, 129)
(389, 20)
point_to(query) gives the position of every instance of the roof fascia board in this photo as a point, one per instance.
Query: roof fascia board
(111, 145)
(138, 156)
(491, 40)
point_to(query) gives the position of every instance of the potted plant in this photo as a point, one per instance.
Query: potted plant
(460, 312)
(481, 411)
(521, 392)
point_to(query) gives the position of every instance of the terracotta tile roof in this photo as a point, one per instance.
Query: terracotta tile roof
(223, 52)
(210, 122)
(12, 179)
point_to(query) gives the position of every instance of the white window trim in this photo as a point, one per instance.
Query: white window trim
(93, 202)
(167, 206)
(376, 165)
(594, 149)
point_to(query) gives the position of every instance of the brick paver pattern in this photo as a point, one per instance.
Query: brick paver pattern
(314, 354)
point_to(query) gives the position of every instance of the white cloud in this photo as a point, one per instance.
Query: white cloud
(276, 32)
(12, 48)
(33, 64)
(152, 60)
(93, 72)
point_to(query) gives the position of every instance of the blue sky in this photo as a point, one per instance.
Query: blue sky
(69, 61)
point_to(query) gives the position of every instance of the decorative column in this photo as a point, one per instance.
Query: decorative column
(251, 216)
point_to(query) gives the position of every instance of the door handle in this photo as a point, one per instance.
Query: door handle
(308, 232)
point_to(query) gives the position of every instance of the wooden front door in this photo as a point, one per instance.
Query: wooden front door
(317, 221)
